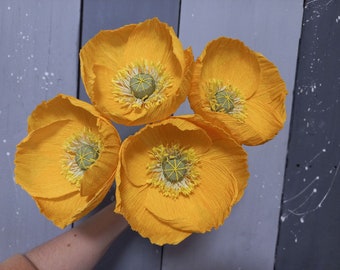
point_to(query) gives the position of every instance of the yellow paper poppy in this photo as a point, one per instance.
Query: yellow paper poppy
(179, 176)
(239, 90)
(136, 74)
(68, 160)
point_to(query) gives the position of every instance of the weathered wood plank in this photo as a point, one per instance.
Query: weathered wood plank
(38, 58)
(310, 221)
(247, 240)
(130, 251)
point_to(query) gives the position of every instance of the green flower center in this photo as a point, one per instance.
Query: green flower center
(225, 100)
(142, 85)
(86, 155)
(174, 168)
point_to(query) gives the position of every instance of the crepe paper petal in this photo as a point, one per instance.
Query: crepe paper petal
(64, 210)
(130, 201)
(238, 90)
(62, 107)
(219, 136)
(173, 175)
(138, 73)
(71, 152)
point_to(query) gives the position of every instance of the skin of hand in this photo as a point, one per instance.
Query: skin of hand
(81, 247)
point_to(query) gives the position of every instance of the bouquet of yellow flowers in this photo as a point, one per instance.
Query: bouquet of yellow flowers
(177, 175)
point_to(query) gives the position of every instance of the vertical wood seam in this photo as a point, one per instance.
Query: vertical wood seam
(80, 36)
(179, 16)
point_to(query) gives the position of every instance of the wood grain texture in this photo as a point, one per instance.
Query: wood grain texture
(38, 58)
(310, 220)
(247, 240)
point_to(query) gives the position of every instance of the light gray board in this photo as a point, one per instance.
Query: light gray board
(130, 250)
(38, 58)
(247, 240)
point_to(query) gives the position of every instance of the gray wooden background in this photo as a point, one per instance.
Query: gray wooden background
(39, 45)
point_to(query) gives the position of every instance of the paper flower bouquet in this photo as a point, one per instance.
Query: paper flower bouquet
(177, 175)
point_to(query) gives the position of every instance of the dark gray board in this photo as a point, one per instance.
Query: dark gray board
(38, 59)
(130, 251)
(310, 220)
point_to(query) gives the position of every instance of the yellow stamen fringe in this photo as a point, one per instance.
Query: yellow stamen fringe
(70, 168)
(124, 95)
(232, 95)
(173, 189)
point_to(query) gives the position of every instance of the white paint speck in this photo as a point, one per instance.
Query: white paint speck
(315, 190)
(43, 77)
(324, 150)
(46, 73)
(8, 56)
(8, 154)
(8, 8)
(306, 168)
(4, 140)
(52, 74)
(35, 69)
(283, 218)
(302, 220)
